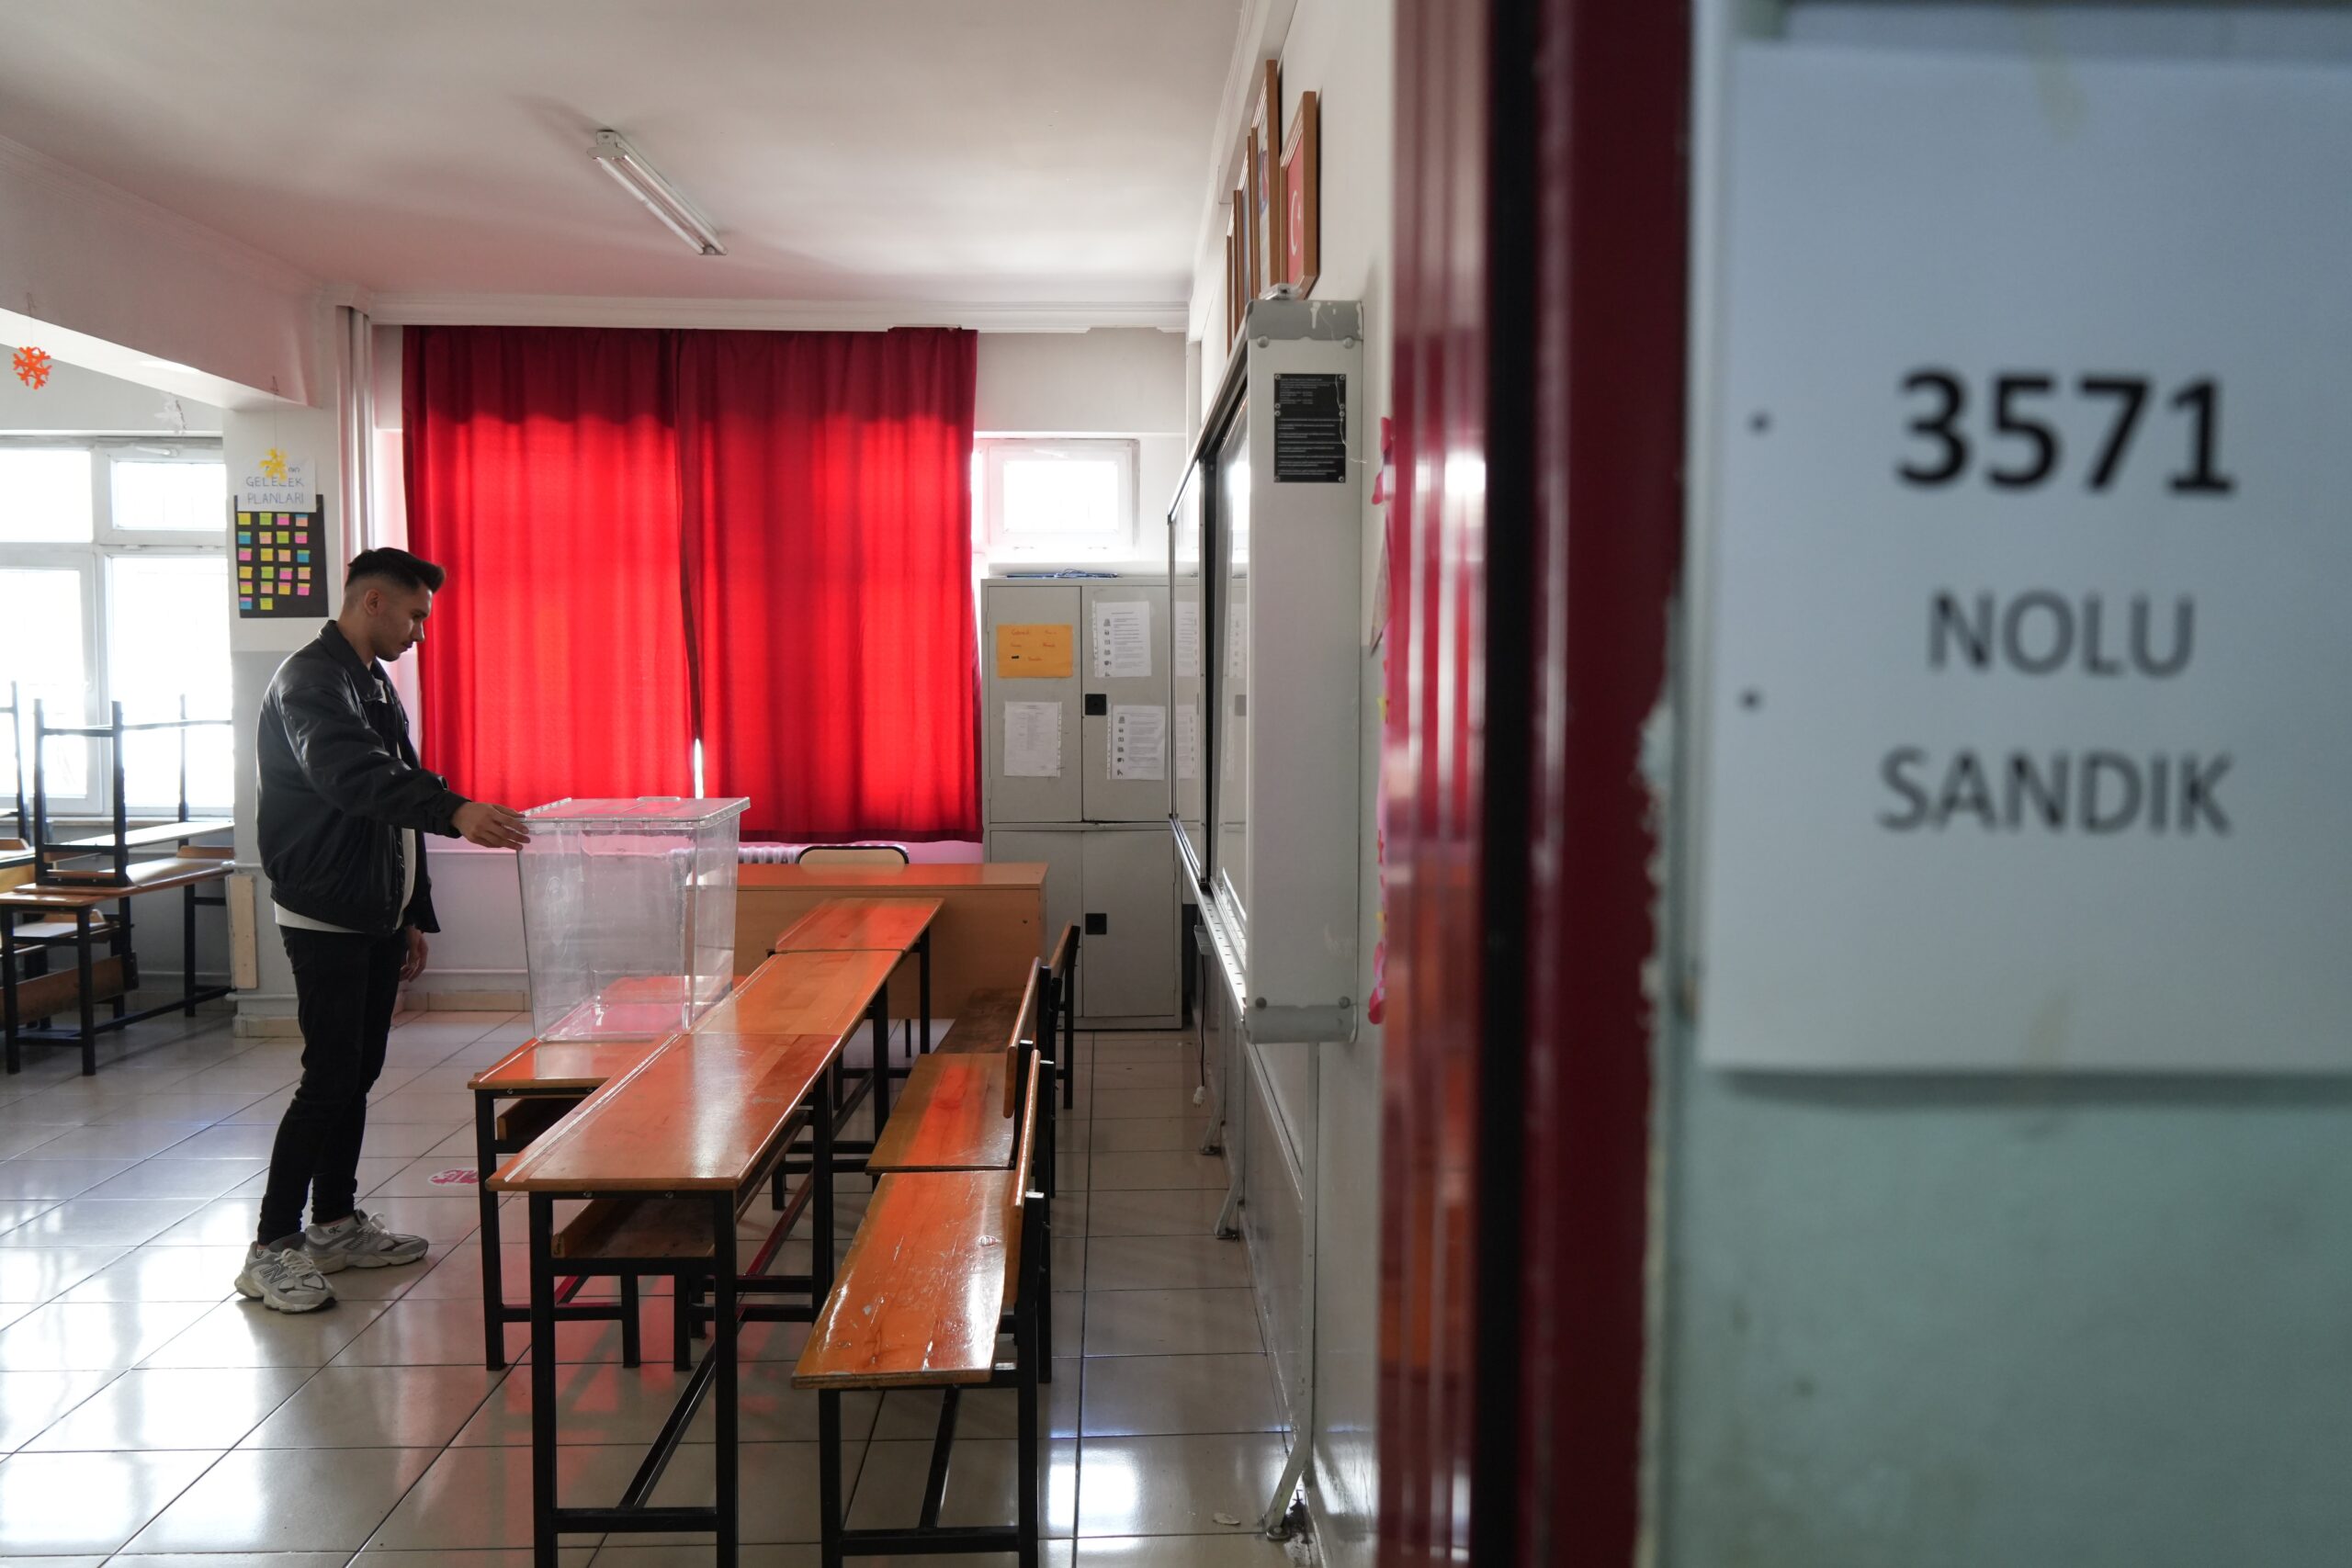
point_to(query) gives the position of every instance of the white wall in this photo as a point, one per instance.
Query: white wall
(89, 403)
(1122, 381)
(112, 277)
(1343, 51)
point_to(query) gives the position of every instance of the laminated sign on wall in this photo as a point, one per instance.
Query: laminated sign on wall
(2029, 735)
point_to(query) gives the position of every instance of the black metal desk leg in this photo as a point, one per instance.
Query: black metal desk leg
(722, 1346)
(543, 1448)
(118, 944)
(820, 1202)
(881, 1059)
(1024, 1354)
(8, 984)
(89, 983)
(923, 966)
(829, 1476)
(493, 1274)
(187, 950)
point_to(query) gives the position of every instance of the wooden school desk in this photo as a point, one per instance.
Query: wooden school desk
(991, 918)
(874, 925)
(79, 908)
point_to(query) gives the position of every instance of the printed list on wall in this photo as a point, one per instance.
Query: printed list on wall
(2027, 732)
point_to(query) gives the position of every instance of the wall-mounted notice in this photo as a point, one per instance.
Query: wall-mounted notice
(1033, 740)
(1122, 638)
(282, 572)
(2028, 732)
(1039, 652)
(1237, 641)
(1187, 639)
(1138, 740)
(1188, 741)
(1310, 429)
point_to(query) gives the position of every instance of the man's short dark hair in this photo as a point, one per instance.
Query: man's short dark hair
(399, 566)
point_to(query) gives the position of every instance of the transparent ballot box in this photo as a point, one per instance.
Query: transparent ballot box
(628, 914)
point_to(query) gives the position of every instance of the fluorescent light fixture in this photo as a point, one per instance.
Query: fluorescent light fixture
(641, 180)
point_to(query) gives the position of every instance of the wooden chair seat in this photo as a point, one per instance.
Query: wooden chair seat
(949, 1116)
(537, 1066)
(930, 1255)
(991, 1019)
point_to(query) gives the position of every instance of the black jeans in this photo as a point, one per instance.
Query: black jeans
(345, 991)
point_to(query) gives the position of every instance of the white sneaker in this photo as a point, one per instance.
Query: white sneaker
(283, 1279)
(360, 1240)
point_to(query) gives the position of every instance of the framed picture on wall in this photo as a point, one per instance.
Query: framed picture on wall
(1264, 120)
(1301, 198)
(1237, 262)
(1253, 220)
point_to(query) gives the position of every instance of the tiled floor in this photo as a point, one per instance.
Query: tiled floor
(148, 1415)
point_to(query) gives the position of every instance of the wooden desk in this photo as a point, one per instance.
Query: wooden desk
(81, 905)
(991, 918)
(878, 925)
(802, 993)
(687, 1132)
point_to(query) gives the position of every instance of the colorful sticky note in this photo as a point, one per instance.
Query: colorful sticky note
(269, 604)
(244, 554)
(245, 537)
(269, 555)
(244, 603)
(304, 574)
(302, 555)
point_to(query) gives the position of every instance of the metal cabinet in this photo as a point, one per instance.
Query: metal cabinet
(1073, 670)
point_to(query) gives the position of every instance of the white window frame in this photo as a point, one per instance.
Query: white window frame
(998, 545)
(88, 559)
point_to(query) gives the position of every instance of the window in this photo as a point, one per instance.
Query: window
(113, 567)
(1055, 500)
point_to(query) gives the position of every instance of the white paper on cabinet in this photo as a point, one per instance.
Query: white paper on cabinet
(1138, 740)
(1188, 741)
(1122, 638)
(1033, 740)
(1187, 652)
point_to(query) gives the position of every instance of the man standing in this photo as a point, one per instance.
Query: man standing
(343, 808)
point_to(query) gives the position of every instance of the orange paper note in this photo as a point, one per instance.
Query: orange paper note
(1034, 652)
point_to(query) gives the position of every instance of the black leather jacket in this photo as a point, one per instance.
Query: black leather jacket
(338, 783)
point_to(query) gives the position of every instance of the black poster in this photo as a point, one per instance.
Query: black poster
(1310, 429)
(281, 563)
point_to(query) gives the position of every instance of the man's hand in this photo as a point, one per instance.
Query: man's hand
(491, 826)
(413, 965)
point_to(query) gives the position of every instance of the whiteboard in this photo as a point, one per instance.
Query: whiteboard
(2028, 694)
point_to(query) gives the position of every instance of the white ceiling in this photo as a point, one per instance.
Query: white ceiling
(1036, 151)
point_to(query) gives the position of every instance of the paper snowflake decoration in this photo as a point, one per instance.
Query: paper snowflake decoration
(32, 367)
(273, 463)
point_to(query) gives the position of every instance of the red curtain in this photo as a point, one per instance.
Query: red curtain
(825, 481)
(772, 528)
(542, 472)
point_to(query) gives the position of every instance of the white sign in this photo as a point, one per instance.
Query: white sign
(2029, 737)
(1033, 740)
(1138, 740)
(277, 483)
(1122, 638)
(1188, 740)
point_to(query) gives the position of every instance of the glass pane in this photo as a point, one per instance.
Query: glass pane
(44, 494)
(40, 650)
(167, 497)
(167, 636)
(1061, 495)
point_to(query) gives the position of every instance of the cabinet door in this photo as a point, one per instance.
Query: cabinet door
(1128, 966)
(1012, 612)
(1146, 794)
(1061, 853)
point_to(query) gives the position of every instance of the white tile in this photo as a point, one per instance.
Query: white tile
(30, 1400)
(39, 1273)
(165, 1274)
(56, 1504)
(164, 1177)
(55, 1179)
(241, 1333)
(1131, 1486)
(171, 1408)
(89, 1335)
(101, 1221)
(282, 1500)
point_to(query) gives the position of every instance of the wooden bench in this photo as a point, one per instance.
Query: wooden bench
(540, 1082)
(951, 1255)
(991, 1014)
(666, 1153)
